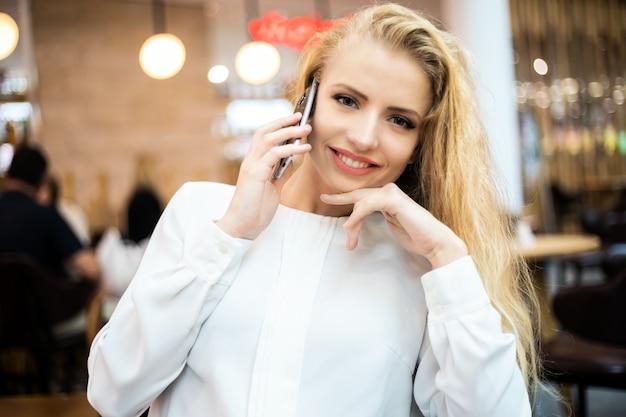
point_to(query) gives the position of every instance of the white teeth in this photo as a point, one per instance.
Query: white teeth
(351, 162)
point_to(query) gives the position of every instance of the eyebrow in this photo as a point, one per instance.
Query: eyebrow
(392, 108)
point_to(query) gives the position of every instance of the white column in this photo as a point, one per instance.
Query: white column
(484, 26)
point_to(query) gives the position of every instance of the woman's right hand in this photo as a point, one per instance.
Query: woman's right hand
(256, 194)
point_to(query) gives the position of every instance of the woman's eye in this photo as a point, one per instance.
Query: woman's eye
(346, 100)
(402, 122)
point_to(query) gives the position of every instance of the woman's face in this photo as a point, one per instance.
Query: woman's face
(370, 104)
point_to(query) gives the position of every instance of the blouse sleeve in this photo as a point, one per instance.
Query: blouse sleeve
(467, 364)
(188, 266)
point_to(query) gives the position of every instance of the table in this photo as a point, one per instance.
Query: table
(546, 247)
(59, 405)
(553, 246)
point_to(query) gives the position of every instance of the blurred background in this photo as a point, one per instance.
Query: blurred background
(76, 77)
(74, 83)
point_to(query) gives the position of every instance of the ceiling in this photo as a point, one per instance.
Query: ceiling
(328, 8)
(228, 12)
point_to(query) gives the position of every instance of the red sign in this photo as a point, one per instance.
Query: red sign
(294, 33)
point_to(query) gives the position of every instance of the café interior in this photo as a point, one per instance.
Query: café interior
(77, 78)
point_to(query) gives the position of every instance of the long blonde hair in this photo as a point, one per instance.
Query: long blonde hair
(452, 175)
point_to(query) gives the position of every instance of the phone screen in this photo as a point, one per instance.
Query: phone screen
(304, 105)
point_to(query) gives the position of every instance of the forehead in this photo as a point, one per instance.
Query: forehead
(373, 67)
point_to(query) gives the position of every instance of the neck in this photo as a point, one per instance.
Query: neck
(302, 192)
(12, 184)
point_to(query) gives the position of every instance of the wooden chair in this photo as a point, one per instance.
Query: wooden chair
(590, 349)
(31, 302)
(94, 316)
(610, 227)
(614, 260)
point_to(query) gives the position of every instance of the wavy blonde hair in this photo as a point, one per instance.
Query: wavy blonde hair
(453, 175)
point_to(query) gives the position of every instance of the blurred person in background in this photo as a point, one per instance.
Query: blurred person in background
(73, 214)
(39, 231)
(119, 253)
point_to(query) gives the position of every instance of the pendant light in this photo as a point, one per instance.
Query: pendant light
(162, 55)
(256, 62)
(9, 35)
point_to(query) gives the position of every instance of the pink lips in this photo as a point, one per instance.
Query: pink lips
(351, 163)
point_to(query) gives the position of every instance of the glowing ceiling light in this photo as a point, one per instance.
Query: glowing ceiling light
(218, 74)
(257, 62)
(162, 56)
(540, 66)
(9, 35)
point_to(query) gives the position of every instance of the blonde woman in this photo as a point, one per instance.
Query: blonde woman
(376, 279)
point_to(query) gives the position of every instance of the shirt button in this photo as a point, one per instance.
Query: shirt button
(223, 248)
(438, 309)
(429, 286)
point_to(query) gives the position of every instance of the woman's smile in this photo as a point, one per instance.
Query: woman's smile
(352, 164)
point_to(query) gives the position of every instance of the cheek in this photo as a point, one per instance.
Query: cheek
(400, 152)
(324, 125)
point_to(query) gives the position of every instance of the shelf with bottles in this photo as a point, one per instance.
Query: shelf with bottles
(15, 108)
(13, 98)
(13, 88)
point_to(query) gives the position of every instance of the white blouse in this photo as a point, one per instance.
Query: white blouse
(293, 324)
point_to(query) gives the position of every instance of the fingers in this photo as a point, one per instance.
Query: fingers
(280, 130)
(367, 200)
(266, 147)
(277, 124)
(388, 200)
(350, 197)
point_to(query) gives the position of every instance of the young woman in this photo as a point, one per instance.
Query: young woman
(376, 279)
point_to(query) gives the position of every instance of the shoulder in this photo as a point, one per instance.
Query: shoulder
(211, 198)
(49, 215)
(206, 190)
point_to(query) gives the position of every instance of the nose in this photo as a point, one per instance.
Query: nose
(364, 133)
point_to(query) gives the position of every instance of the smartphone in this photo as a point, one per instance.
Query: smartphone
(304, 105)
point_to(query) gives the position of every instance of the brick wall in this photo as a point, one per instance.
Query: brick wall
(101, 113)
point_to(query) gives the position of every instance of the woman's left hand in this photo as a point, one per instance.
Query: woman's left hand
(414, 227)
